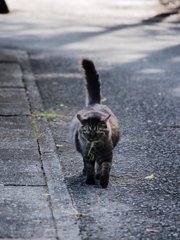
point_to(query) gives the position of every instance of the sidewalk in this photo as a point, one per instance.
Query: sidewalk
(34, 200)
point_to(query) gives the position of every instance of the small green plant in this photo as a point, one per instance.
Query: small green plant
(51, 115)
(90, 154)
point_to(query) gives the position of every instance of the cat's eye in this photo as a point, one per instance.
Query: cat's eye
(98, 131)
(86, 131)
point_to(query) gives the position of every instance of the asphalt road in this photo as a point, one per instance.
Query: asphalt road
(138, 62)
(145, 97)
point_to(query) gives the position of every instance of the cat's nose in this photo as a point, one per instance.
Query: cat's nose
(93, 135)
(91, 138)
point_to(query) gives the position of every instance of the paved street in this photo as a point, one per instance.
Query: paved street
(43, 194)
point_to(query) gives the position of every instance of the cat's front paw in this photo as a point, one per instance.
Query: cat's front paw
(90, 181)
(98, 176)
(104, 182)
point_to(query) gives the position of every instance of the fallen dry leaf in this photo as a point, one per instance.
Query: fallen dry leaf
(97, 195)
(59, 146)
(151, 230)
(150, 177)
(146, 131)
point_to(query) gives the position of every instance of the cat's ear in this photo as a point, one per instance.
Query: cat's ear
(81, 118)
(105, 118)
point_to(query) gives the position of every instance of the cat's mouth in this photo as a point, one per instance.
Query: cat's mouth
(95, 141)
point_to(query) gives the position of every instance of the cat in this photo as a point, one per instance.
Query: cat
(95, 130)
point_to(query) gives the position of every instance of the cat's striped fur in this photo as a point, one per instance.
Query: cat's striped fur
(95, 130)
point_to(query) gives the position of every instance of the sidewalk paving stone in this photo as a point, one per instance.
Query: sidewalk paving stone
(13, 101)
(11, 75)
(17, 122)
(19, 154)
(8, 55)
(17, 133)
(25, 213)
(23, 172)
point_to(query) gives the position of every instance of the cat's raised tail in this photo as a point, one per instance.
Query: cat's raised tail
(93, 84)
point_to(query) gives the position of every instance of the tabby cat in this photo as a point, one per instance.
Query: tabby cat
(95, 130)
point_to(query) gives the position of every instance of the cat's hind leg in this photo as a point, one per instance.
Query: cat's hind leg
(105, 171)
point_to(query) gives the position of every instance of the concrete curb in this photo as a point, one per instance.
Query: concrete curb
(65, 215)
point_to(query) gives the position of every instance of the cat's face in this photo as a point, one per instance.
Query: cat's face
(94, 129)
(94, 133)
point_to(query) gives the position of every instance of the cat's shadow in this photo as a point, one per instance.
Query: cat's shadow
(78, 182)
